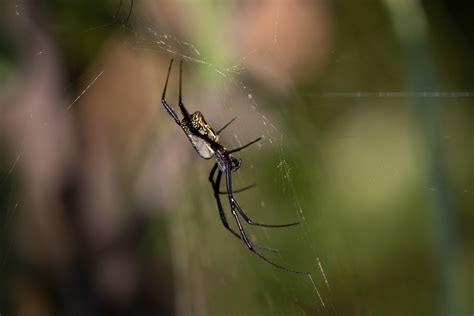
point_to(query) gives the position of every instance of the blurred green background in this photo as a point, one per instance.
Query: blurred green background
(366, 112)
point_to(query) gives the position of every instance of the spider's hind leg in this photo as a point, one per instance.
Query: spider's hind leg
(244, 237)
(251, 222)
(216, 186)
(235, 205)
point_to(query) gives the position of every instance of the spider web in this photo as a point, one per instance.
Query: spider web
(227, 81)
(333, 161)
(232, 97)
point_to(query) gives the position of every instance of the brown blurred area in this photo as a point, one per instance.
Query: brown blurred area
(74, 234)
(365, 109)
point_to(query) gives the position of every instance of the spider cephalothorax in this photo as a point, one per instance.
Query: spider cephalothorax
(206, 142)
(200, 125)
(235, 163)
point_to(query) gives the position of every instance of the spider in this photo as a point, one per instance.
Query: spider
(206, 143)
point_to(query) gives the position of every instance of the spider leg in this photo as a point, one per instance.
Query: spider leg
(181, 105)
(215, 187)
(225, 126)
(218, 200)
(240, 190)
(163, 98)
(245, 238)
(236, 205)
(251, 222)
(244, 146)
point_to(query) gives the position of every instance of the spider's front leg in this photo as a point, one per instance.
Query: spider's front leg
(167, 107)
(183, 109)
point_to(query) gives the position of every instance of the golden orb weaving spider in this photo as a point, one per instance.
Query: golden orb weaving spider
(206, 143)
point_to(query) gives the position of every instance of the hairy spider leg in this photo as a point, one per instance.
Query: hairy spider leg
(215, 187)
(224, 127)
(233, 206)
(163, 98)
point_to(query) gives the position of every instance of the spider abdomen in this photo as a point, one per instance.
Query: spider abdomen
(200, 145)
(193, 127)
